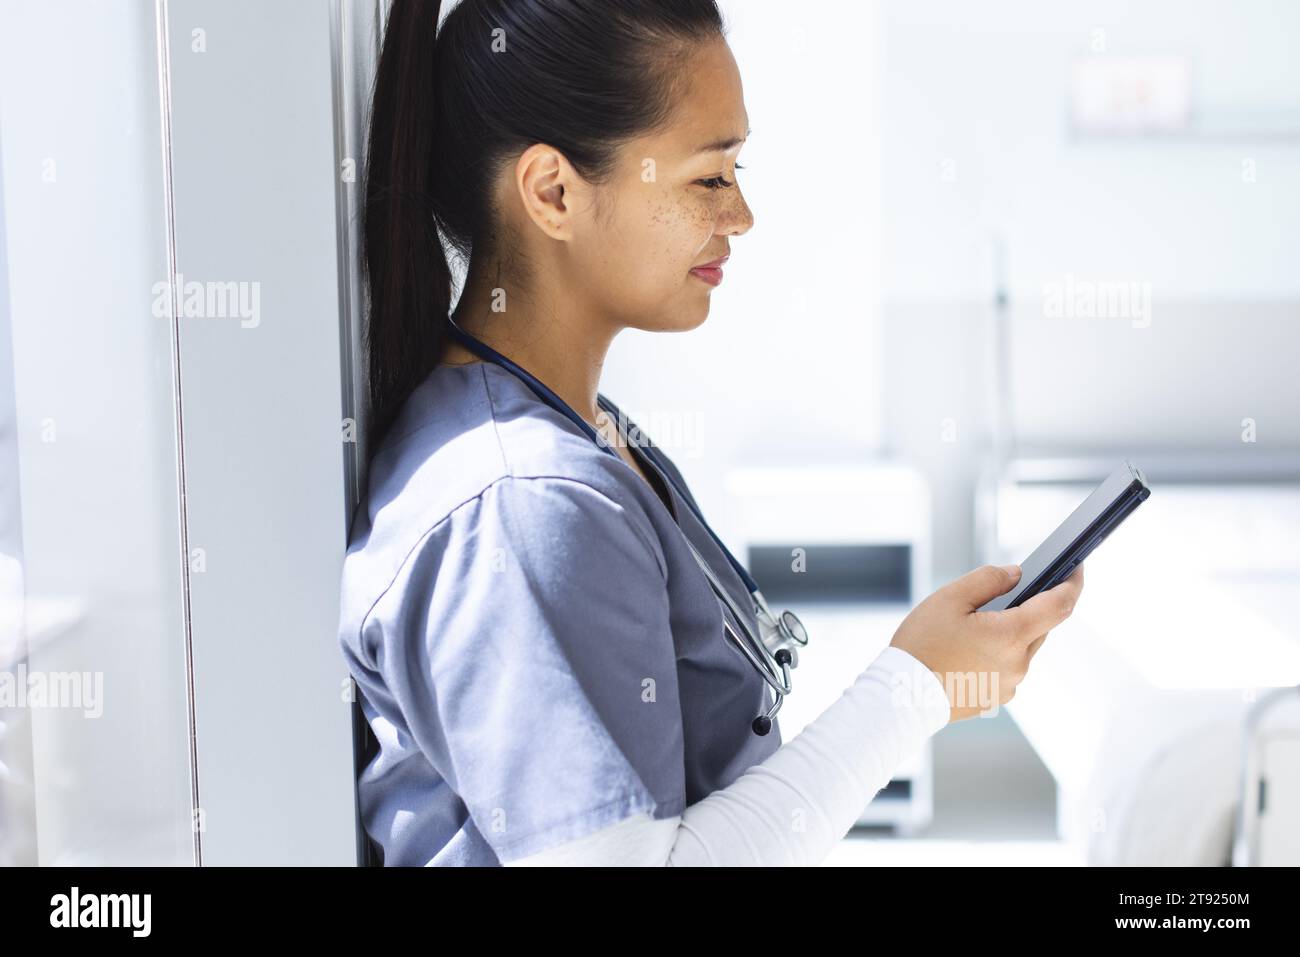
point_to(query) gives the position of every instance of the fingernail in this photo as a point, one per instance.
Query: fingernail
(1011, 569)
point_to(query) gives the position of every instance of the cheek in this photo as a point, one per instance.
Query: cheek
(674, 233)
(642, 256)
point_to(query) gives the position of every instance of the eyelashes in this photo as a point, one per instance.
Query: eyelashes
(719, 182)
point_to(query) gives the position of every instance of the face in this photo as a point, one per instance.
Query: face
(674, 204)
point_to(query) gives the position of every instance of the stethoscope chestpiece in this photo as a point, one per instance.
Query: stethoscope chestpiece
(762, 725)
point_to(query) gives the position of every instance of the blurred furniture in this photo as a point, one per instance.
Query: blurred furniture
(1268, 823)
(848, 549)
(27, 625)
(1137, 704)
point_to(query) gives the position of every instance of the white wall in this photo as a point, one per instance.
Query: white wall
(985, 86)
(254, 185)
(94, 440)
(977, 145)
(181, 480)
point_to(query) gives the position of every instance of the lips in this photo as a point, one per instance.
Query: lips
(710, 272)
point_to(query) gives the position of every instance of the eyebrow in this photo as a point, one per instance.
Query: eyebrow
(721, 146)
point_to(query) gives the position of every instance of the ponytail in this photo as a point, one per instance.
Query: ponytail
(451, 106)
(407, 275)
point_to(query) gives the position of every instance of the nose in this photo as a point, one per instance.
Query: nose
(737, 219)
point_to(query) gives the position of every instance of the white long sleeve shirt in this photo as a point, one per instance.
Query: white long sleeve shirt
(795, 806)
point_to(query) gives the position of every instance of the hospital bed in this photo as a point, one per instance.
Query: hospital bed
(1141, 704)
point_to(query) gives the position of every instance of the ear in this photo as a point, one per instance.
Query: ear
(546, 183)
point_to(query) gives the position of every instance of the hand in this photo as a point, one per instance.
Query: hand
(982, 656)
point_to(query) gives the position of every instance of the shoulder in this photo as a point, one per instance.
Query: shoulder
(473, 447)
(467, 429)
(555, 524)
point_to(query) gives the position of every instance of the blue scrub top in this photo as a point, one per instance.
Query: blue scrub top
(538, 653)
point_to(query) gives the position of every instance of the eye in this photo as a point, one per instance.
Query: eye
(718, 182)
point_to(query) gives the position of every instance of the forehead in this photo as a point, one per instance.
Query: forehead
(709, 108)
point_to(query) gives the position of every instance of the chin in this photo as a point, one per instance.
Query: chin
(694, 317)
(684, 318)
(677, 318)
(696, 308)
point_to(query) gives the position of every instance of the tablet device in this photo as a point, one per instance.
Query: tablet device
(1087, 527)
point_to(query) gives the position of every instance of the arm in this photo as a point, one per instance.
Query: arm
(795, 806)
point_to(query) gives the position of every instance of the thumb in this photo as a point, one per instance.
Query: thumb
(986, 583)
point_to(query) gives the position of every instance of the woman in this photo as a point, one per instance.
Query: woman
(539, 654)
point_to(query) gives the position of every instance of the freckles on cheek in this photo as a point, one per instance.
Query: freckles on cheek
(679, 231)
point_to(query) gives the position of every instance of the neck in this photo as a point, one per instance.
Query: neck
(564, 349)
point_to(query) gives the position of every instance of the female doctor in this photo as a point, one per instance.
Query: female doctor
(539, 650)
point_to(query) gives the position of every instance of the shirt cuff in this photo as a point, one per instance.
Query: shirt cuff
(914, 684)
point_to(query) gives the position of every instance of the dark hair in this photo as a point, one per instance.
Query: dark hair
(450, 106)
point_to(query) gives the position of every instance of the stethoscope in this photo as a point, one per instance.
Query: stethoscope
(772, 654)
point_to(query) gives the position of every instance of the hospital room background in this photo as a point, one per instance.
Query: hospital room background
(999, 247)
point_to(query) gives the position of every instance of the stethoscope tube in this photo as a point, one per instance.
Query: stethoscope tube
(773, 666)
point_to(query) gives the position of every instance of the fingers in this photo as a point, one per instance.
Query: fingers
(985, 583)
(1047, 609)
